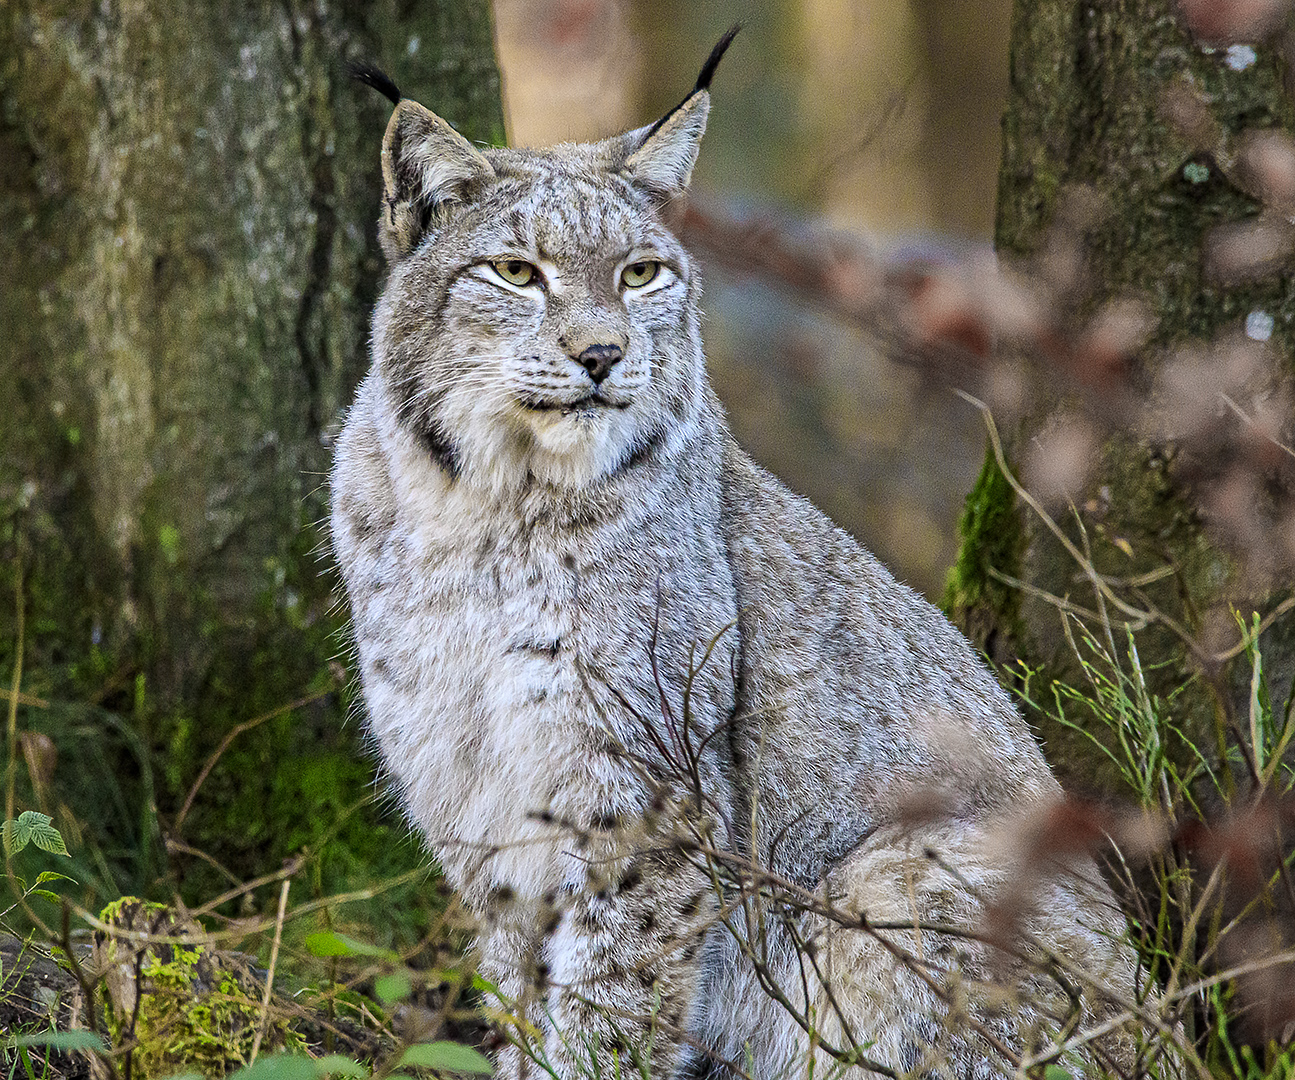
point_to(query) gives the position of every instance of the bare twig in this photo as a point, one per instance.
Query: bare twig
(269, 975)
(227, 741)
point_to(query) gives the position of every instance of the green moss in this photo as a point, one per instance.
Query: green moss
(990, 535)
(193, 1014)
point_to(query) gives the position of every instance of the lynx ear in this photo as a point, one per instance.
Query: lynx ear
(663, 156)
(663, 163)
(426, 165)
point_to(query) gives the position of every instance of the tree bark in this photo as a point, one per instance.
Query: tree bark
(188, 196)
(1117, 96)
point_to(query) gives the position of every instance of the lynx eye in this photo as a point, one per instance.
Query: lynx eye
(638, 274)
(516, 272)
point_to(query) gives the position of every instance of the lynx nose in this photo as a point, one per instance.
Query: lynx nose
(599, 360)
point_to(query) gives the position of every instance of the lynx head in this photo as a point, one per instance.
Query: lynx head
(540, 322)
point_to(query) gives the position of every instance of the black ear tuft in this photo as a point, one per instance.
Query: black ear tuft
(703, 80)
(376, 78)
(716, 55)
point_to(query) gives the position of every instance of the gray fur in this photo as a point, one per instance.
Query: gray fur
(533, 574)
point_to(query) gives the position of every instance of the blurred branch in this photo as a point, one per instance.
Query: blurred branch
(17, 697)
(834, 273)
(950, 321)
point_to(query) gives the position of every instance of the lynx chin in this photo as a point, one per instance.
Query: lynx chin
(658, 718)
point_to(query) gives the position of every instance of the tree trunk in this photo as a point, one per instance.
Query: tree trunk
(1119, 96)
(188, 196)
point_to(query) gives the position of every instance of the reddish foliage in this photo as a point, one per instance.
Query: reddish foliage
(1223, 22)
(943, 311)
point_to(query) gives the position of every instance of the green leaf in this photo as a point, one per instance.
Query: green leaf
(483, 985)
(394, 987)
(330, 943)
(279, 1067)
(32, 827)
(45, 894)
(336, 1063)
(1056, 1072)
(450, 1056)
(299, 1067)
(62, 1040)
(47, 876)
(48, 838)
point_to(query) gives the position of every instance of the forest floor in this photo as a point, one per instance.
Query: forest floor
(42, 992)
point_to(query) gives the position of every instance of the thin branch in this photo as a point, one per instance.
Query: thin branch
(228, 740)
(269, 976)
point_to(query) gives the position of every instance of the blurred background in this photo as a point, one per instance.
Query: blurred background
(878, 119)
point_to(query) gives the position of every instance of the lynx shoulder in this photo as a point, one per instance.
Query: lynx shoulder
(644, 703)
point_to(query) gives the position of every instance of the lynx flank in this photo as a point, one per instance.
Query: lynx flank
(619, 673)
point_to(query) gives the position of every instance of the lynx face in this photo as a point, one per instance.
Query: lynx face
(540, 324)
(548, 325)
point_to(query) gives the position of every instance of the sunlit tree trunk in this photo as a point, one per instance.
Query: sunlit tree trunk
(188, 195)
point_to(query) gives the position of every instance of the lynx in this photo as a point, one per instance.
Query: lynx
(656, 716)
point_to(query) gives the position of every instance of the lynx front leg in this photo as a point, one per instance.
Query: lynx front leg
(611, 985)
(627, 965)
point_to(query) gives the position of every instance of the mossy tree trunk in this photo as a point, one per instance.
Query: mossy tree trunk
(188, 196)
(1119, 97)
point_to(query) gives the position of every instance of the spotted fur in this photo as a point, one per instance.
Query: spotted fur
(537, 562)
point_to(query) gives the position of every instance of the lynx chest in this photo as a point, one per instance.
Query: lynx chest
(514, 659)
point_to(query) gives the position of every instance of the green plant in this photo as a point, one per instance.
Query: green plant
(1200, 843)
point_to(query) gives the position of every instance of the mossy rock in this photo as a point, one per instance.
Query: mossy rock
(190, 1008)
